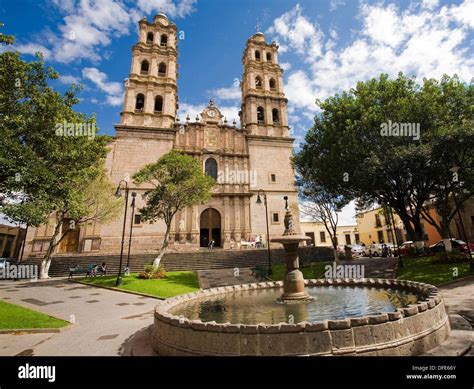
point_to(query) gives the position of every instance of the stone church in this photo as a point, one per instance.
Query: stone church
(243, 159)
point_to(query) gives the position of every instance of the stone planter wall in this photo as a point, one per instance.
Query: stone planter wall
(408, 331)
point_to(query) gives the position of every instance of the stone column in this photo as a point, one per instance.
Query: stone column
(247, 228)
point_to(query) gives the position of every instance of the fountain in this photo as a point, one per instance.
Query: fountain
(295, 316)
(293, 282)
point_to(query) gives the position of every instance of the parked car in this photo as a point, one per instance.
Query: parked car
(455, 243)
(357, 250)
(375, 249)
(404, 248)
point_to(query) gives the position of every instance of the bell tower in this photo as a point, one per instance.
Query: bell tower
(151, 92)
(264, 117)
(264, 106)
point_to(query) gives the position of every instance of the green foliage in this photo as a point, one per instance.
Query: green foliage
(346, 153)
(178, 183)
(17, 317)
(45, 168)
(175, 283)
(422, 269)
(454, 256)
(153, 272)
(6, 39)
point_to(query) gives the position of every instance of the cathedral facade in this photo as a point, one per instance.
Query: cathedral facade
(245, 160)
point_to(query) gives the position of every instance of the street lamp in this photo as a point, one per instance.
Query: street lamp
(127, 272)
(118, 193)
(261, 193)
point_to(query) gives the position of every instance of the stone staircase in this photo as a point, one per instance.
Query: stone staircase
(175, 261)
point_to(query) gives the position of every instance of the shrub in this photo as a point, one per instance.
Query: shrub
(454, 256)
(152, 272)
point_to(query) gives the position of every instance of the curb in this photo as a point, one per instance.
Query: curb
(465, 278)
(35, 330)
(119, 290)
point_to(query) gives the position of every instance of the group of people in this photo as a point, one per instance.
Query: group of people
(97, 270)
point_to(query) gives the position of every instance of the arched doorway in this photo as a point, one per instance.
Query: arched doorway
(210, 227)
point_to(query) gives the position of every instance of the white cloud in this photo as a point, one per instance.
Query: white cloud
(430, 4)
(417, 41)
(335, 4)
(285, 66)
(178, 9)
(90, 25)
(68, 79)
(297, 32)
(112, 89)
(230, 93)
(32, 49)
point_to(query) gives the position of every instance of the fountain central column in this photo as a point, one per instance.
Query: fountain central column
(293, 283)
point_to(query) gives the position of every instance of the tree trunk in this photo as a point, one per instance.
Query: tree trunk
(164, 247)
(46, 262)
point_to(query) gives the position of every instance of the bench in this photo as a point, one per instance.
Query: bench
(260, 272)
(89, 270)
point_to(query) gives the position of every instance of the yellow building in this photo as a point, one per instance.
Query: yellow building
(374, 227)
(320, 237)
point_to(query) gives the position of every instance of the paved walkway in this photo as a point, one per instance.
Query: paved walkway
(225, 277)
(105, 319)
(459, 297)
(116, 323)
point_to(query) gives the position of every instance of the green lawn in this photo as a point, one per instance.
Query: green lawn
(422, 270)
(311, 270)
(175, 283)
(16, 317)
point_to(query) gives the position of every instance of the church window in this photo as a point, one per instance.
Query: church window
(269, 57)
(258, 82)
(158, 104)
(137, 219)
(275, 217)
(149, 38)
(145, 66)
(275, 115)
(164, 40)
(211, 168)
(272, 84)
(162, 69)
(273, 177)
(257, 55)
(140, 102)
(260, 115)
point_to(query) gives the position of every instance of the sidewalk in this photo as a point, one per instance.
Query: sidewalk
(105, 319)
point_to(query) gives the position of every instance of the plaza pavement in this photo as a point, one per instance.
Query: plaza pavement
(104, 319)
(116, 323)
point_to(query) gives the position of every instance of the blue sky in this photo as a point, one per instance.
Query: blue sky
(325, 46)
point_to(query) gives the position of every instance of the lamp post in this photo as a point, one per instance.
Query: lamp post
(118, 193)
(134, 195)
(262, 193)
(455, 170)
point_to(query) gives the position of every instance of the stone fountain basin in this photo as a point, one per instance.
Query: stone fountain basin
(413, 330)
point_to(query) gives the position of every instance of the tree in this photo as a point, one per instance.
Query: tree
(6, 39)
(322, 206)
(47, 150)
(89, 200)
(178, 182)
(378, 143)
